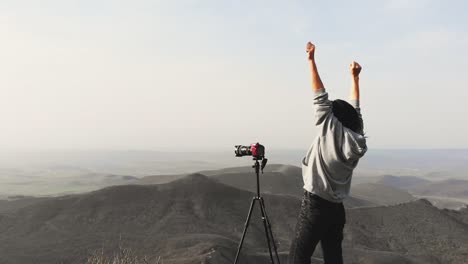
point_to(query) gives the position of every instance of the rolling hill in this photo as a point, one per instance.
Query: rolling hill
(16, 202)
(380, 194)
(287, 180)
(416, 231)
(197, 219)
(450, 193)
(402, 182)
(447, 188)
(283, 179)
(454, 188)
(191, 215)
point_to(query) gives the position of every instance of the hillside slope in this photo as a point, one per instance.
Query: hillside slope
(417, 230)
(446, 188)
(196, 219)
(287, 180)
(402, 182)
(380, 194)
(182, 218)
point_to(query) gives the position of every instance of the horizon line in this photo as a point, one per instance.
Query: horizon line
(201, 150)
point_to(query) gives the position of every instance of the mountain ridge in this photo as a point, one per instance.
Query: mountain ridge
(185, 220)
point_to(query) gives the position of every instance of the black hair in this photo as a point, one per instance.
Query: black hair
(347, 115)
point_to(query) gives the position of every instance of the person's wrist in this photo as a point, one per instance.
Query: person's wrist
(355, 77)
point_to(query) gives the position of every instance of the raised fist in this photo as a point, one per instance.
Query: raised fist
(355, 69)
(310, 49)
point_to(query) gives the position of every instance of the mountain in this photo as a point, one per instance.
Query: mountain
(183, 219)
(282, 168)
(461, 214)
(197, 219)
(445, 202)
(447, 188)
(15, 202)
(453, 188)
(276, 179)
(281, 179)
(416, 232)
(450, 194)
(402, 182)
(287, 180)
(58, 180)
(160, 179)
(245, 171)
(380, 194)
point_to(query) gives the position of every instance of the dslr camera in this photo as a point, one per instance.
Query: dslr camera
(256, 150)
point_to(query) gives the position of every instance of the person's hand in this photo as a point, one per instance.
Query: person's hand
(310, 49)
(355, 69)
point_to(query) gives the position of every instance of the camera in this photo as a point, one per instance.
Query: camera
(256, 150)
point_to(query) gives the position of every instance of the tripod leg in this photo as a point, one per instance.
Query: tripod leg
(246, 225)
(265, 225)
(270, 232)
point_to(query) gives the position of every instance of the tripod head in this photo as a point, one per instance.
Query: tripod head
(262, 166)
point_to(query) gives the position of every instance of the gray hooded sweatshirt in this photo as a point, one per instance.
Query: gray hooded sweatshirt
(335, 152)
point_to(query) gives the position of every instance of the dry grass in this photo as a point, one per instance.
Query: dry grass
(123, 256)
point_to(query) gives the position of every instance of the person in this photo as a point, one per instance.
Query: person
(327, 169)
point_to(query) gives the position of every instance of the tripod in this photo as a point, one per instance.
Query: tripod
(266, 222)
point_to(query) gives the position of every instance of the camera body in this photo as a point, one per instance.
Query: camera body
(256, 150)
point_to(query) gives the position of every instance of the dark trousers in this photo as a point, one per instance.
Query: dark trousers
(319, 220)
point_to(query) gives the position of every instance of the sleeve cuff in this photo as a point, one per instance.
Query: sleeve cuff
(319, 92)
(354, 103)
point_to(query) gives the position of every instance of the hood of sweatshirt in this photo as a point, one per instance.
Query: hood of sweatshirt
(354, 144)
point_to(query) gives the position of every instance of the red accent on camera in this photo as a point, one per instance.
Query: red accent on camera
(253, 149)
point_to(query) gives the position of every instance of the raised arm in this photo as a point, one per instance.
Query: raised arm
(314, 75)
(322, 106)
(354, 69)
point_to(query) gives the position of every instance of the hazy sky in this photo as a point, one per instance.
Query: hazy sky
(189, 74)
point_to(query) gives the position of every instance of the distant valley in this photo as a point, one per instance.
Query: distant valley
(59, 172)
